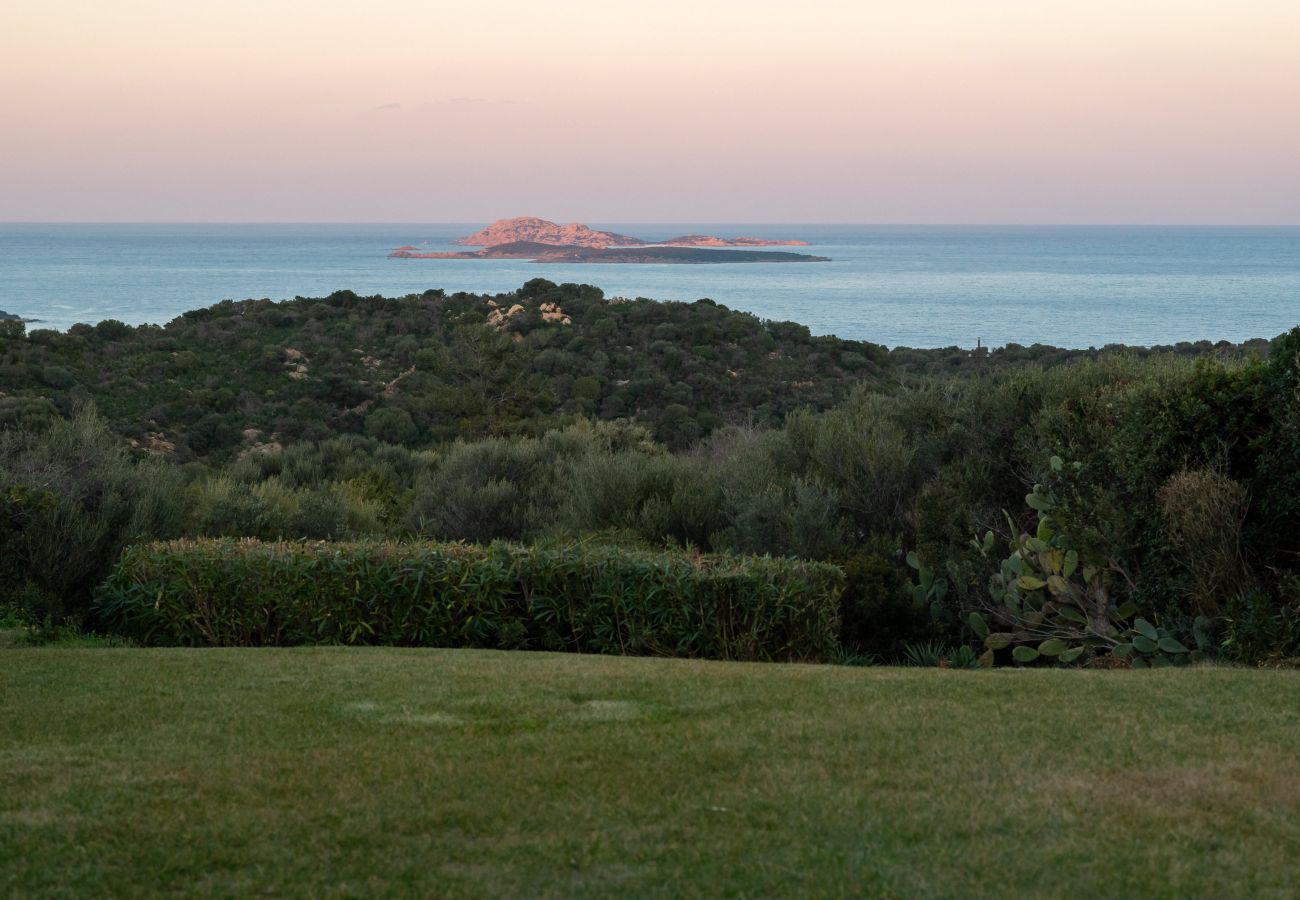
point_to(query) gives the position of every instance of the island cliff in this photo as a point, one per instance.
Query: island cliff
(530, 229)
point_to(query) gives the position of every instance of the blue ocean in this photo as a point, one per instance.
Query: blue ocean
(920, 286)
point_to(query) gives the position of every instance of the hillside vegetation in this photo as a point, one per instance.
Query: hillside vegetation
(1023, 506)
(428, 368)
(424, 369)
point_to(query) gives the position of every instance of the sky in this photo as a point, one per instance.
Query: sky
(844, 111)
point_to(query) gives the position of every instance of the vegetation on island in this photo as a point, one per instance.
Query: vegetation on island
(1026, 506)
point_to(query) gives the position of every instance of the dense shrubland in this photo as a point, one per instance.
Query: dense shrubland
(429, 368)
(953, 490)
(425, 369)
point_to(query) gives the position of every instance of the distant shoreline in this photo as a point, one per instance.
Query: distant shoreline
(550, 253)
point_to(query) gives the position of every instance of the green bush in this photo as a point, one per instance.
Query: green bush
(660, 497)
(70, 499)
(879, 615)
(579, 598)
(512, 489)
(1258, 628)
(391, 425)
(484, 490)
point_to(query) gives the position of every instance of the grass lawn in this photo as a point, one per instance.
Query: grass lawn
(330, 772)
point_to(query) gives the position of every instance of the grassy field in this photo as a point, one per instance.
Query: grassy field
(337, 772)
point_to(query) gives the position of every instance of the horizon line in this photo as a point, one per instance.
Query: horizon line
(899, 224)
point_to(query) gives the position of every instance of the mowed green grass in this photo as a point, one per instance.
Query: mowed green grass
(361, 772)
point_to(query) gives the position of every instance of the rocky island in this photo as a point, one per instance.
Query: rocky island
(544, 241)
(542, 231)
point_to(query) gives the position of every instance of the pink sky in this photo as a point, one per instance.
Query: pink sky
(944, 111)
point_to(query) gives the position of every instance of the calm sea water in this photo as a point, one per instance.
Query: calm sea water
(918, 286)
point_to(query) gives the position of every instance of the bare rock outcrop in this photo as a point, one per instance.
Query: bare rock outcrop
(542, 231)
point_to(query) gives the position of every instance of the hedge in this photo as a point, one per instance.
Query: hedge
(582, 598)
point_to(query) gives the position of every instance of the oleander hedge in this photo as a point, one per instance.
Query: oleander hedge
(582, 598)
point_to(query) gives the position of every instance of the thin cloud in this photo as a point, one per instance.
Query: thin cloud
(471, 101)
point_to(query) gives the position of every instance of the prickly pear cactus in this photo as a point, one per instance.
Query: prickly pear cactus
(1047, 605)
(929, 590)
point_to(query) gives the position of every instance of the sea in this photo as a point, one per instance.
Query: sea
(917, 286)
